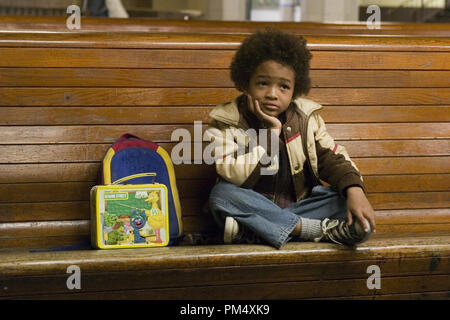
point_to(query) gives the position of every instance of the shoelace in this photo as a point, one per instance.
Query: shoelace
(335, 231)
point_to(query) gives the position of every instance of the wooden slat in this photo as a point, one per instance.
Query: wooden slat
(407, 183)
(121, 116)
(105, 115)
(45, 228)
(73, 210)
(378, 79)
(75, 191)
(195, 185)
(410, 200)
(205, 41)
(106, 133)
(202, 78)
(96, 152)
(82, 172)
(411, 165)
(113, 96)
(115, 58)
(94, 281)
(202, 26)
(397, 148)
(210, 96)
(65, 241)
(290, 290)
(101, 134)
(60, 172)
(79, 77)
(417, 216)
(380, 96)
(44, 211)
(211, 59)
(369, 131)
(380, 60)
(413, 113)
(198, 188)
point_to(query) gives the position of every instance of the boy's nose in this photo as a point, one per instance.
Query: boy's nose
(271, 93)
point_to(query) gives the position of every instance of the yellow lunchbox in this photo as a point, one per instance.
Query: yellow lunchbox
(129, 215)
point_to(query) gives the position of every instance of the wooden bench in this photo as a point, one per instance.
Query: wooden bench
(65, 97)
(92, 24)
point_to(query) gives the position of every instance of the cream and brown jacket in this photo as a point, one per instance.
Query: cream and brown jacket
(312, 154)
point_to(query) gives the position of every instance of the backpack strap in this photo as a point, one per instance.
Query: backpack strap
(133, 176)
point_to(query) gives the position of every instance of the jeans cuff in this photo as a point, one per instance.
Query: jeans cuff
(284, 235)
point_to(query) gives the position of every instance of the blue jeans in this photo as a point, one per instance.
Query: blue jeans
(272, 223)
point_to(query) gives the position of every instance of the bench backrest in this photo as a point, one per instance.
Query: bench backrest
(89, 24)
(65, 97)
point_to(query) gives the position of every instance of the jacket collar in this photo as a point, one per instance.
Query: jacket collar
(229, 113)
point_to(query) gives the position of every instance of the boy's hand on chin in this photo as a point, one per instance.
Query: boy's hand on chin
(271, 121)
(359, 206)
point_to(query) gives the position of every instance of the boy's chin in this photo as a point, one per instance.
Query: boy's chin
(271, 113)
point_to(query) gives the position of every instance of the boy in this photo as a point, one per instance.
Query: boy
(284, 199)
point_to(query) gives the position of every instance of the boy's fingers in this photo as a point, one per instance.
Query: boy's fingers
(362, 220)
(369, 216)
(258, 109)
(349, 217)
(250, 103)
(261, 115)
(372, 222)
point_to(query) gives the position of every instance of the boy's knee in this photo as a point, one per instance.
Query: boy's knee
(222, 189)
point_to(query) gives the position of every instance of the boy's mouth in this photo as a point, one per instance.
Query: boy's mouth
(271, 107)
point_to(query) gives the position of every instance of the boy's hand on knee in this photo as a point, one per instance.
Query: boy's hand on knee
(359, 206)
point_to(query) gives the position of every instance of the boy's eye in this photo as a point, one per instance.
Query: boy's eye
(285, 87)
(262, 83)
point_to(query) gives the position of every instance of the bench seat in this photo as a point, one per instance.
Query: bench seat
(414, 266)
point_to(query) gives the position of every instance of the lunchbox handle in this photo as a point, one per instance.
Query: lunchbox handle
(134, 176)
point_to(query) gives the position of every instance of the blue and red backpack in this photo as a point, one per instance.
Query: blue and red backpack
(131, 155)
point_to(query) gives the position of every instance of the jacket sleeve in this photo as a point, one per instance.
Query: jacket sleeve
(240, 158)
(334, 164)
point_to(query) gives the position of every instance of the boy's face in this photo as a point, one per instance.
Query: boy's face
(272, 84)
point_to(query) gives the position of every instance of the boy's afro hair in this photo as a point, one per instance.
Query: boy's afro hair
(272, 44)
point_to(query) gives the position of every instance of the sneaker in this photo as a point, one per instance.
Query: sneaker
(231, 231)
(236, 233)
(338, 231)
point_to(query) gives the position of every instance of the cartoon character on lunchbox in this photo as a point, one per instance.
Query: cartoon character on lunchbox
(130, 215)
